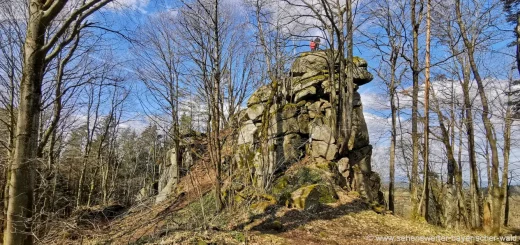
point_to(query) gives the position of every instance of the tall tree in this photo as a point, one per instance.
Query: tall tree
(469, 41)
(38, 52)
(159, 65)
(445, 27)
(389, 43)
(426, 131)
(205, 31)
(416, 16)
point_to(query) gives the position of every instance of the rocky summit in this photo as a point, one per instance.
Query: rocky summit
(301, 126)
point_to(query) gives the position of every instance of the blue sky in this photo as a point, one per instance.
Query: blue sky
(373, 94)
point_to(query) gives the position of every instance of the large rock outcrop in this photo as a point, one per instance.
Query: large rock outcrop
(173, 168)
(301, 124)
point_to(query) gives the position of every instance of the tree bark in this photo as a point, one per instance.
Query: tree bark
(393, 141)
(20, 205)
(506, 208)
(507, 147)
(35, 57)
(495, 190)
(426, 187)
(470, 133)
(415, 94)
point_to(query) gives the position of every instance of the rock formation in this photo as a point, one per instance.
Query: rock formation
(300, 125)
(170, 177)
(173, 168)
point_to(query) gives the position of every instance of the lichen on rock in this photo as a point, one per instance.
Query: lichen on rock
(310, 197)
(301, 124)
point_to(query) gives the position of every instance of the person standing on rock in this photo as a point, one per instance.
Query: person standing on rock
(317, 43)
(313, 45)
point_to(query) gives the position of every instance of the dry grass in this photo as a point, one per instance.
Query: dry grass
(403, 208)
(190, 218)
(141, 221)
(346, 222)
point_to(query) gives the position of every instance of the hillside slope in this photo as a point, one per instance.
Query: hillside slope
(190, 218)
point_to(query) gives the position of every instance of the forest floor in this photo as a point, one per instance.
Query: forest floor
(191, 218)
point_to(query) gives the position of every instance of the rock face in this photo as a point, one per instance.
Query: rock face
(173, 168)
(169, 178)
(301, 124)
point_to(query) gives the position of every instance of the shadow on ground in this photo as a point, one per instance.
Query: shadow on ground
(294, 218)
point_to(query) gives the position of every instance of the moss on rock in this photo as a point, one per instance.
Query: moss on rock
(309, 197)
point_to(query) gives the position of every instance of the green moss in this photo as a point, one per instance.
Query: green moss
(261, 207)
(301, 104)
(354, 193)
(239, 199)
(285, 199)
(307, 176)
(358, 61)
(309, 197)
(280, 185)
(289, 110)
(323, 165)
(285, 185)
(246, 156)
(378, 208)
(225, 194)
(239, 236)
(268, 197)
(289, 106)
(319, 77)
(327, 198)
(277, 225)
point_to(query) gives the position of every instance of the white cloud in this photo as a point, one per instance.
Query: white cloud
(137, 125)
(374, 101)
(121, 5)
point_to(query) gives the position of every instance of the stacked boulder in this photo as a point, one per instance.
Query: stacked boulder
(301, 124)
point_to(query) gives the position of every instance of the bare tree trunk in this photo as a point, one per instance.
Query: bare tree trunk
(426, 188)
(507, 147)
(92, 185)
(21, 183)
(347, 85)
(394, 134)
(495, 189)
(450, 189)
(415, 94)
(10, 147)
(470, 132)
(506, 209)
(216, 109)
